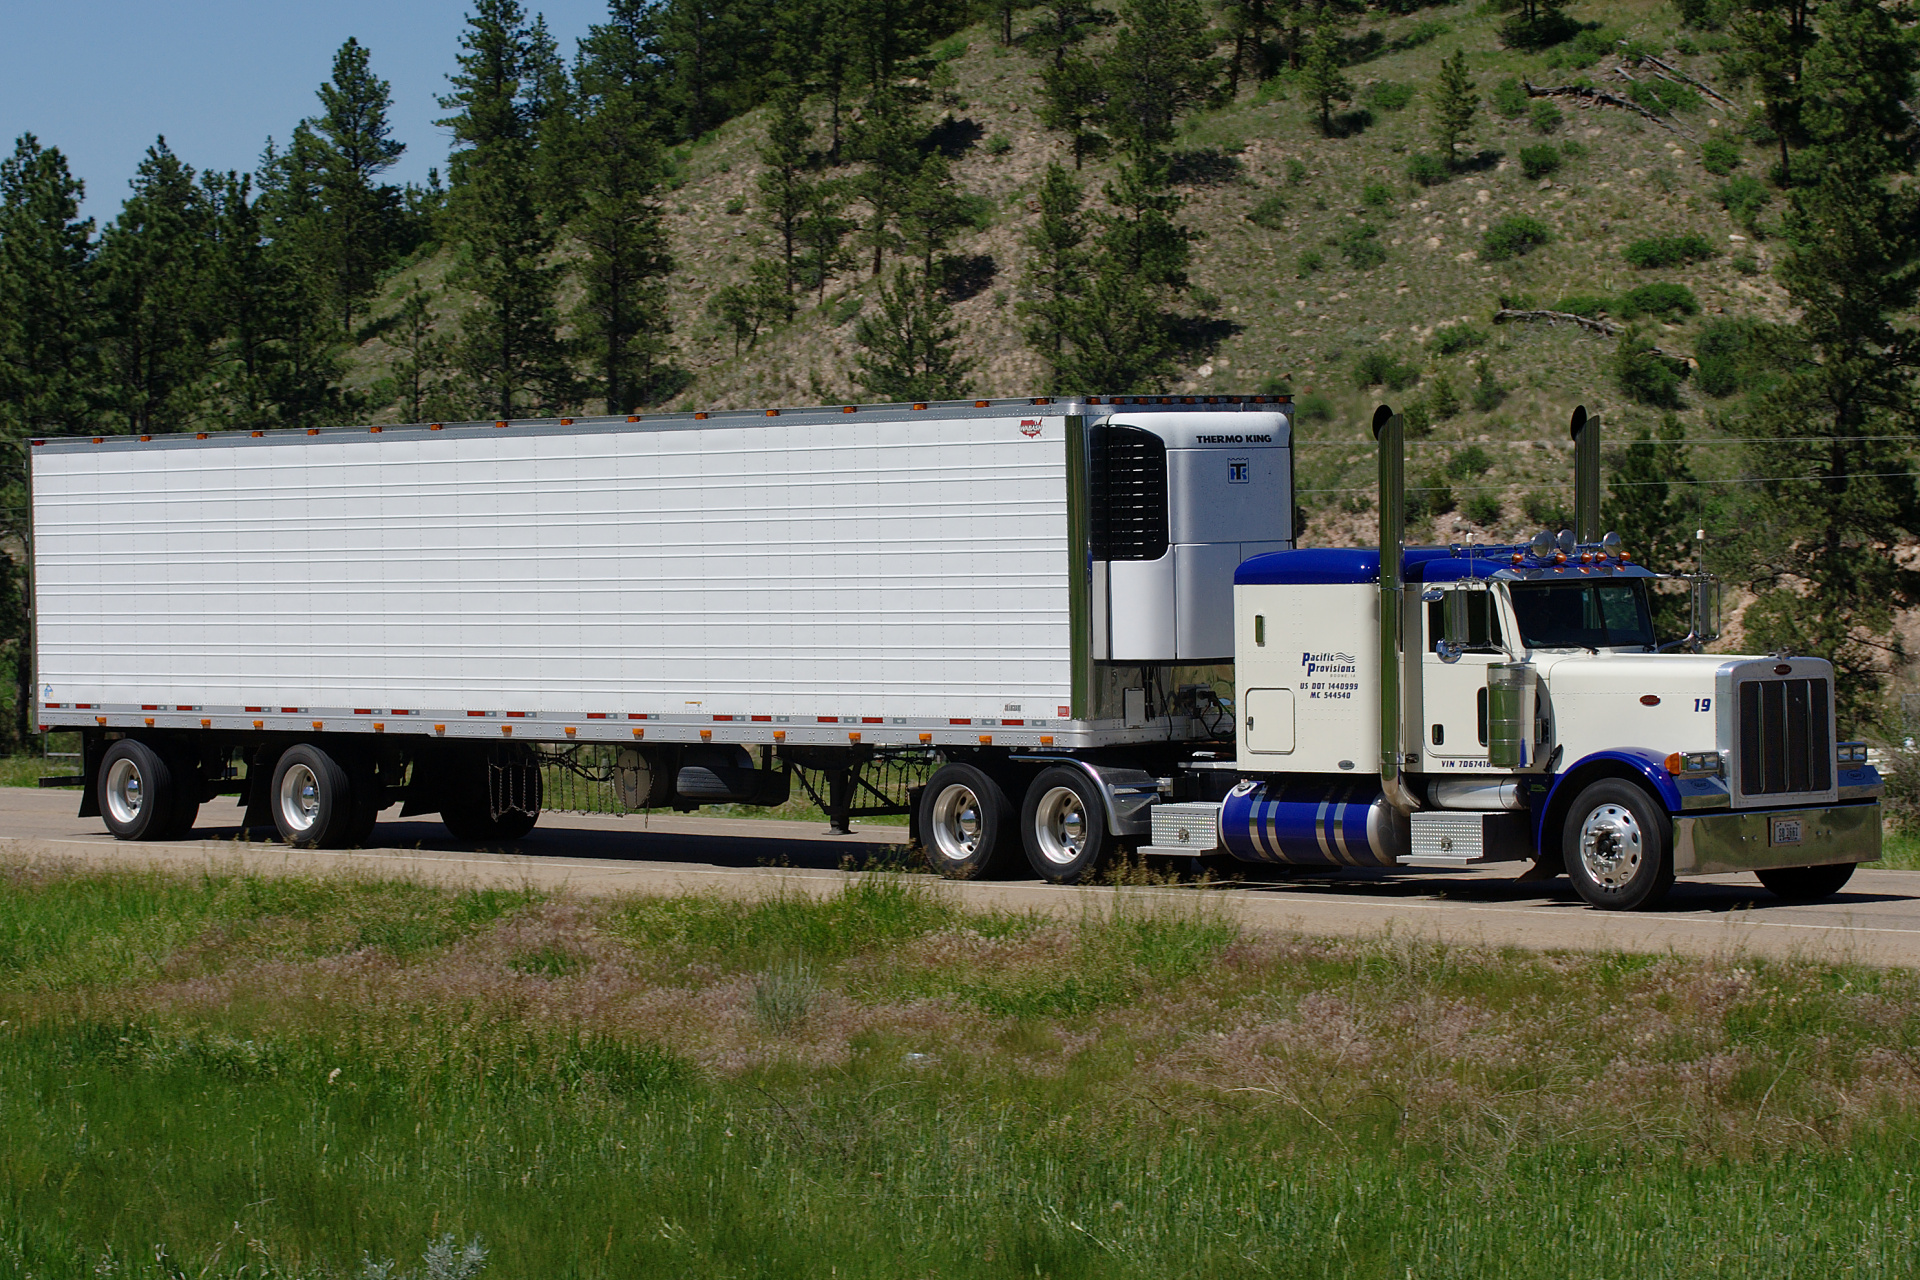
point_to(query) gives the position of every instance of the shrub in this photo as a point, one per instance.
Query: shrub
(1270, 213)
(1487, 393)
(1313, 407)
(1296, 172)
(1389, 96)
(1379, 368)
(1664, 300)
(1428, 497)
(1514, 237)
(1418, 418)
(1376, 195)
(1360, 246)
(1573, 150)
(1645, 375)
(1484, 509)
(1545, 116)
(1547, 26)
(1310, 261)
(1719, 157)
(1274, 387)
(1663, 97)
(1427, 170)
(1541, 161)
(1420, 33)
(1510, 99)
(1726, 351)
(1669, 251)
(998, 145)
(737, 205)
(1746, 264)
(1469, 462)
(1443, 399)
(1745, 197)
(1452, 339)
(1548, 510)
(1585, 304)
(1583, 50)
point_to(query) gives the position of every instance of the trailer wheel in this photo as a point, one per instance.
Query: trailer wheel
(312, 799)
(1806, 884)
(468, 807)
(1616, 847)
(964, 816)
(1064, 825)
(137, 792)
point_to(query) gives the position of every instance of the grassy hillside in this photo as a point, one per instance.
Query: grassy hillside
(1264, 188)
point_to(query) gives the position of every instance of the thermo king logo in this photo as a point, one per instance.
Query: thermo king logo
(1327, 663)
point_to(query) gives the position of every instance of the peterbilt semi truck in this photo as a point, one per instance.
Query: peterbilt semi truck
(1087, 616)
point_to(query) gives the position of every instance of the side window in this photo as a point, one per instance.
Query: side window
(1483, 624)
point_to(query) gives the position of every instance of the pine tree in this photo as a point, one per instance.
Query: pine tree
(1248, 24)
(1321, 80)
(747, 308)
(934, 210)
(783, 183)
(155, 289)
(1161, 66)
(1074, 100)
(419, 374)
(1455, 100)
(1838, 491)
(909, 351)
(888, 141)
(1055, 280)
(1654, 506)
(1123, 338)
(361, 233)
(510, 349)
(822, 236)
(1771, 41)
(1063, 26)
(47, 365)
(613, 173)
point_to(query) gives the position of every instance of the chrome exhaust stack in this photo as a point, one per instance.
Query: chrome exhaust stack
(1585, 431)
(1390, 430)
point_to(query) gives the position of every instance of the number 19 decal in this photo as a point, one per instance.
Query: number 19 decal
(1703, 704)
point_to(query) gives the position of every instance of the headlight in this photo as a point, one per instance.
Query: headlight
(1695, 764)
(1854, 753)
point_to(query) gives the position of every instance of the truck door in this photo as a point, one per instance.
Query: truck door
(1454, 694)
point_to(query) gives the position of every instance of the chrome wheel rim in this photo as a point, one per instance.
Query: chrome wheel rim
(1612, 846)
(126, 791)
(958, 824)
(299, 799)
(1060, 826)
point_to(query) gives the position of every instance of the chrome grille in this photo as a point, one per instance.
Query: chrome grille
(1785, 737)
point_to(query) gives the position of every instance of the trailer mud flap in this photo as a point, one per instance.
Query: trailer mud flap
(1311, 823)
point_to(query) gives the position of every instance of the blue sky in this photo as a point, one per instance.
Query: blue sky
(100, 79)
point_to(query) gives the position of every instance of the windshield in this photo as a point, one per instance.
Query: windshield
(1586, 615)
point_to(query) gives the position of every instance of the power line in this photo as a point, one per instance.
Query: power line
(1634, 484)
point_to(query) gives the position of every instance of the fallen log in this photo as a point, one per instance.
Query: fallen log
(1605, 328)
(1598, 97)
(1674, 72)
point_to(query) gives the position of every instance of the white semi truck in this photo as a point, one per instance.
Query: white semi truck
(1087, 614)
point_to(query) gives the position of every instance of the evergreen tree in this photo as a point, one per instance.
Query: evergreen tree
(1162, 65)
(747, 308)
(1063, 26)
(909, 351)
(158, 332)
(615, 168)
(1838, 491)
(419, 375)
(934, 210)
(1322, 82)
(1054, 283)
(822, 237)
(1248, 24)
(510, 348)
(362, 231)
(783, 183)
(47, 366)
(1455, 100)
(1653, 505)
(1771, 41)
(888, 141)
(1124, 337)
(1074, 100)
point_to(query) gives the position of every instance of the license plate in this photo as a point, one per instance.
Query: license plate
(1785, 831)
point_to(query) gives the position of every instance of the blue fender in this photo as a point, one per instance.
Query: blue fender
(1643, 762)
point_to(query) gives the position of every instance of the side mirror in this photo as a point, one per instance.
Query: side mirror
(1456, 629)
(1707, 592)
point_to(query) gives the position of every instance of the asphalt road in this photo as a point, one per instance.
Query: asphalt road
(1875, 920)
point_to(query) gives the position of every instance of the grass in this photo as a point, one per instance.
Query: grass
(201, 1076)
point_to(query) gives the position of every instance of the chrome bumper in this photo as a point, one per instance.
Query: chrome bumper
(1715, 843)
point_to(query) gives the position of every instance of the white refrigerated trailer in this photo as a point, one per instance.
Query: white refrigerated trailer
(1086, 616)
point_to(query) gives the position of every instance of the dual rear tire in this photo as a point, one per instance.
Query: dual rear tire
(970, 828)
(147, 792)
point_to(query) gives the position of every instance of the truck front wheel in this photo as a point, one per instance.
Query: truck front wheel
(1806, 884)
(1064, 825)
(1616, 847)
(964, 820)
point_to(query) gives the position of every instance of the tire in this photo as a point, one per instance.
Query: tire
(467, 805)
(184, 763)
(1806, 884)
(1616, 847)
(1064, 825)
(312, 799)
(965, 818)
(138, 797)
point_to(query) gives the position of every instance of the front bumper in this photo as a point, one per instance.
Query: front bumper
(1710, 844)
